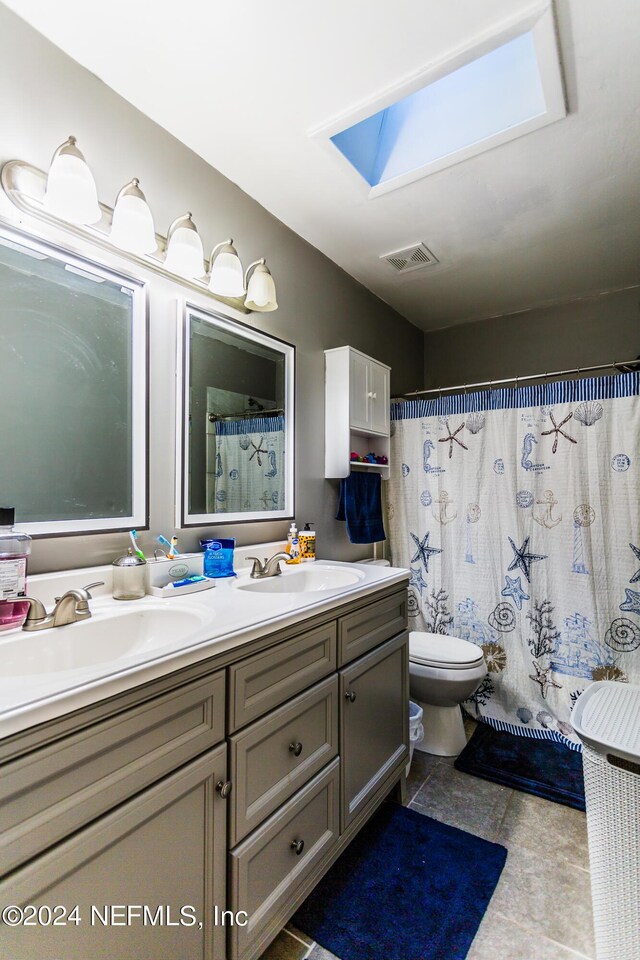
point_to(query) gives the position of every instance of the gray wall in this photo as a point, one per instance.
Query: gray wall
(579, 333)
(44, 97)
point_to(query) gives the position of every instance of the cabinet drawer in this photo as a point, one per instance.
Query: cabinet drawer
(263, 682)
(51, 792)
(363, 630)
(265, 868)
(273, 757)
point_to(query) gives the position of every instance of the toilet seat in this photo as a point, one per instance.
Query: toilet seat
(440, 650)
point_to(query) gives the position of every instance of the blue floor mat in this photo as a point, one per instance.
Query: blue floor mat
(544, 768)
(406, 888)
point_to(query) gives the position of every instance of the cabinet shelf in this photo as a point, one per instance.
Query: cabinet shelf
(380, 467)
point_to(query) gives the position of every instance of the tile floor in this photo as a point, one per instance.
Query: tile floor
(541, 908)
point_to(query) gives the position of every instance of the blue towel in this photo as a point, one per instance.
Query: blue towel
(360, 505)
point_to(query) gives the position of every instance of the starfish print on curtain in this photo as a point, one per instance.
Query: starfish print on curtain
(557, 430)
(522, 559)
(632, 602)
(453, 438)
(258, 450)
(423, 551)
(513, 589)
(542, 677)
(636, 576)
(417, 580)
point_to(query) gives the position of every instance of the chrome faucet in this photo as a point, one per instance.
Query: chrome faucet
(270, 567)
(70, 608)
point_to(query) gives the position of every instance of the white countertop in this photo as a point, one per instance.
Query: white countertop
(227, 618)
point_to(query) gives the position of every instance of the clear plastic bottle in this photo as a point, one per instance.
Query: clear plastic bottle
(15, 547)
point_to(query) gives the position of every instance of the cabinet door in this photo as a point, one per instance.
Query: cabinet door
(163, 850)
(379, 395)
(374, 732)
(358, 391)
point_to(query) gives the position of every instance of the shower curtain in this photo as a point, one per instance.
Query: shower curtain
(249, 465)
(518, 513)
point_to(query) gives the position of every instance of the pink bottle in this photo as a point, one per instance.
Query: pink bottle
(15, 547)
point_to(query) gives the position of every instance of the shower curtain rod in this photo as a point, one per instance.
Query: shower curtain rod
(625, 366)
(258, 415)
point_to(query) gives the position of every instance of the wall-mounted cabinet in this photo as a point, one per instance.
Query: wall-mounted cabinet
(357, 396)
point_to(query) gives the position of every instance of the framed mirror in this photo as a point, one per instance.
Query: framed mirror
(73, 369)
(235, 409)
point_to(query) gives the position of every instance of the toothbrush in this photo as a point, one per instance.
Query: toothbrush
(171, 544)
(136, 547)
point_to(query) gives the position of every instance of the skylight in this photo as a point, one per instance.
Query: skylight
(479, 100)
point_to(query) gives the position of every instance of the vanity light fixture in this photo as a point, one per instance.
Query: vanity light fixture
(261, 290)
(185, 254)
(71, 192)
(226, 276)
(132, 226)
(67, 197)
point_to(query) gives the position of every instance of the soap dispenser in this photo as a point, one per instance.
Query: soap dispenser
(293, 544)
(15, 548)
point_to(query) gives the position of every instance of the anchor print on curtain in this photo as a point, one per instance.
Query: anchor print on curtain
(518, 514)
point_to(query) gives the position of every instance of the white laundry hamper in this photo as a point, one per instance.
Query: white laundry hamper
(607, 720)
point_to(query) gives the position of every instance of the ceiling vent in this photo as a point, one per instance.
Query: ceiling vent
(410, 258)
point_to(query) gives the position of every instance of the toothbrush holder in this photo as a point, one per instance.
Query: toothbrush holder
(160, 573)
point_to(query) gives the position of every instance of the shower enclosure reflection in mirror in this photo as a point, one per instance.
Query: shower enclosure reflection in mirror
(235, 422)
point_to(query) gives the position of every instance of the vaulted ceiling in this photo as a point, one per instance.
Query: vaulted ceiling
(548, 217)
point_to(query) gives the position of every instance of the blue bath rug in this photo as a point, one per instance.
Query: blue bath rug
(544, 768)
(406, 888)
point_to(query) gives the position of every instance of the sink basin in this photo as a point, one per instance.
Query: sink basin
(107, 636)
(306, 579)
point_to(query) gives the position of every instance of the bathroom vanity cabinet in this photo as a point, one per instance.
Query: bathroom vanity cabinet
(218, 794)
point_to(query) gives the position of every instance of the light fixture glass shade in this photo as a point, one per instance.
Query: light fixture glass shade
(71, 192)
(132, 227)
(227, 276)
(185, 254)
(261, 290)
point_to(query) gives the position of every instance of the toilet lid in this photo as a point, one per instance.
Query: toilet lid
(438, 650)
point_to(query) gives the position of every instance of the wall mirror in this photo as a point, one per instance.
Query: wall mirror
(73, 371)
(236, 421)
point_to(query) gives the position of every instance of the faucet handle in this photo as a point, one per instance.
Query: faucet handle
(257, 568)
(36, 611)
(90, 586)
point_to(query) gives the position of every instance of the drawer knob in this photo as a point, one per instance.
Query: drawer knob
(296, 748)
(350, 696)
(297, 846)
(224, 788)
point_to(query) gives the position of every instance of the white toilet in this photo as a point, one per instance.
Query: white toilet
(444, 671)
